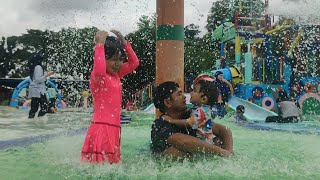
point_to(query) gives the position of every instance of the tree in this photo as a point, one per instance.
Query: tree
(6, 55)
(144, 43)
(70, 52)
(198, 55)
(219, 12)
(191, 31)
(34, 40)
(18, 50)
(70, 55)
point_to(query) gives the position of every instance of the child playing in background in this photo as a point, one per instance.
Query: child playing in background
(288, 112)
(102, 142)
(203, 97)
(129, 105)
(239, 114)
(224, 87)
(52, 96)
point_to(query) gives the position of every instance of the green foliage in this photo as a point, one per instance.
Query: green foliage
(12, 57)
(191, 31)
(219, 12)
(70, 52)
(198, 51)
(5, 64)
(144, 44)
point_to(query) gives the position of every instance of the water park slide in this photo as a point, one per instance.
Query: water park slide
(257, 114)
(253, 112)
(150, 109)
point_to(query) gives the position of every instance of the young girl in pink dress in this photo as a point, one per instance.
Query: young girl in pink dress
(102, 142)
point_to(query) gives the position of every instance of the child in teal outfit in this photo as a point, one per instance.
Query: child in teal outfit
(52, 96)
(203, 97)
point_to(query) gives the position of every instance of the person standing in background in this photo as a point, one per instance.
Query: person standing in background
(37, 86)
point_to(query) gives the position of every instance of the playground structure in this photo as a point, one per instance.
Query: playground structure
(272, 76)
(271, 73)
(262, 74)
(14, 102)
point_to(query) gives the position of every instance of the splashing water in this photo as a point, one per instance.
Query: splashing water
(259, 154)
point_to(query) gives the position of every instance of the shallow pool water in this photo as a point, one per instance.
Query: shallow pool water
(258, 154)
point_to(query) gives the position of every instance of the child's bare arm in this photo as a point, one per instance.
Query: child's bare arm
(178, 122)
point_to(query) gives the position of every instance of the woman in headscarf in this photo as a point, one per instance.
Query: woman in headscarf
(37, 86)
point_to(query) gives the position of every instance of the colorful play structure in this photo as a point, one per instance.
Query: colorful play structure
(264, 73)
(14, 102)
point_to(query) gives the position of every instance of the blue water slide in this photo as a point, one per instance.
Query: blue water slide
(16, 92)
(24, 84)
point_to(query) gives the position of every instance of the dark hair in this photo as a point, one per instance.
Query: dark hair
(34, 61)
(218, 73)
(240, 108)
(163, 91)
(112, 47)
(210, 90)
(282, 96)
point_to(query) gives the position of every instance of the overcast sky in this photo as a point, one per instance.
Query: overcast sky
(303, 11)
(19, 15)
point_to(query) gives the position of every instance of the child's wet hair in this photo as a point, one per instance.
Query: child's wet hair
(240, 108)
(34, 61)
(210, 90)
(112, 47)
(282, 96)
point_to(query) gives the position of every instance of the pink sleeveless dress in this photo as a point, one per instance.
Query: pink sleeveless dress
(102, 142)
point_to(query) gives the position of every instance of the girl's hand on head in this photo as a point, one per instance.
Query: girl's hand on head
(119, 36)
(100, 37)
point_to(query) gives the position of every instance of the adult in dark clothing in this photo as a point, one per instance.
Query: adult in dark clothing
(170, 140)
(224, 87)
